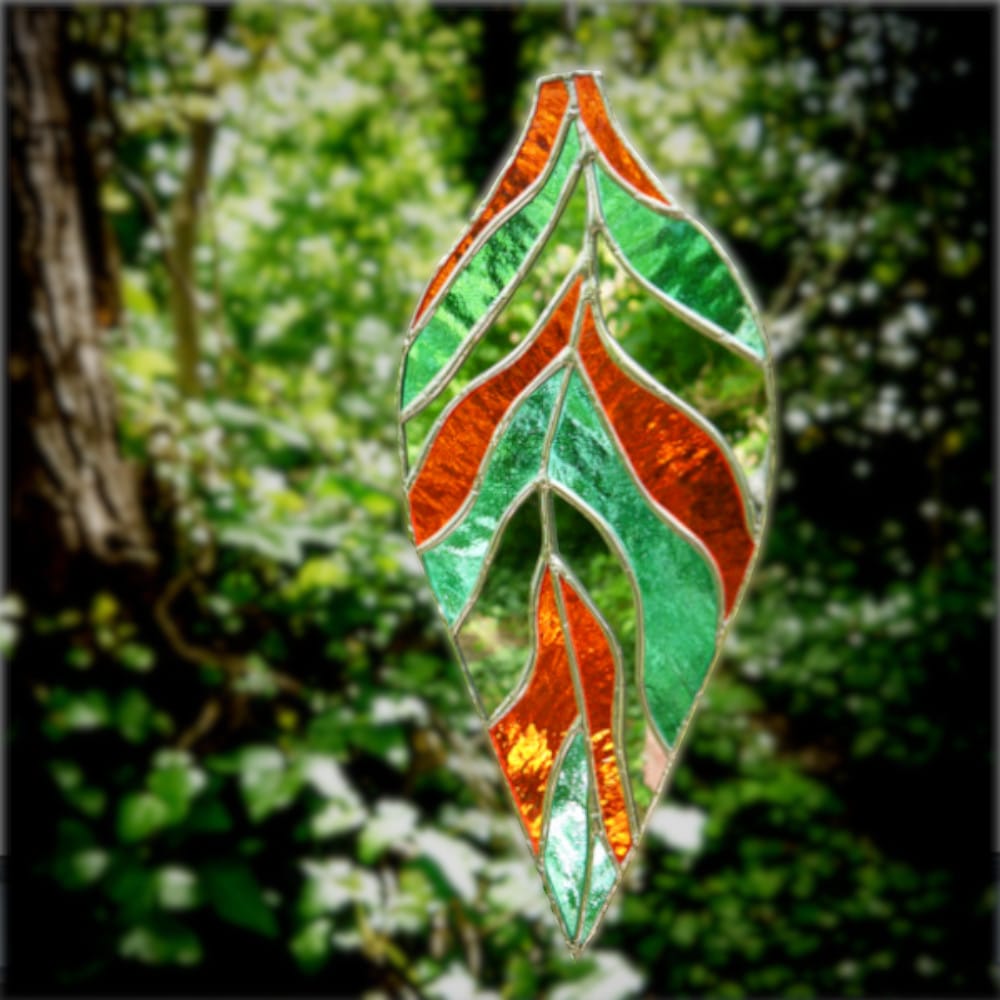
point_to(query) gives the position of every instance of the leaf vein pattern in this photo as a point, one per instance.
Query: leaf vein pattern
(527, 167)
(569, 414)
(494, 269)
(456, 451)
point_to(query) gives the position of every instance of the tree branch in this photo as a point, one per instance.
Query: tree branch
(185, 217)
(233, 665)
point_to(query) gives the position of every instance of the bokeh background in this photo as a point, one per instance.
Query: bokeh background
(241, 758)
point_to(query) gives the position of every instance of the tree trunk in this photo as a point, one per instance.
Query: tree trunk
(74, 499)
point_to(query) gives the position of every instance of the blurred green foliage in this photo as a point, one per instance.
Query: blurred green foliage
(273, 780)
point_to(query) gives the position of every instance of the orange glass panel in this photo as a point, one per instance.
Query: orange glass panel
(597, 678)
(678, 462)
(527, 739)
(595, 117)
(449, 470)
(528, 165)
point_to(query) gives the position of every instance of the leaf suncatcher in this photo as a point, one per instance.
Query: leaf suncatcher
(587, 406)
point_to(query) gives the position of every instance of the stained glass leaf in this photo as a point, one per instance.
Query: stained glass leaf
(595, 471)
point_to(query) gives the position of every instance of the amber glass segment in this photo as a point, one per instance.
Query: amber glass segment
(529, 163)
(528, 737)
(595, 117)
(448, 472)
(724, 387)
(678, 462)
(596, 663)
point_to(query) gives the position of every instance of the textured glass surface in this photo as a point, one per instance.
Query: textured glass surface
(588, 540)
(680, 605)
(598, 672)
(528, 736)
(568, 835)
(614, 150)
(534, 294)
(526, 167)
(603, 874)
(573, 675)
(578, 864)
(605, 580)
(723, 386)
(449, 468)
(496, 637)
(489, 271)
(454, 564)
(675, 257)
(677, 459)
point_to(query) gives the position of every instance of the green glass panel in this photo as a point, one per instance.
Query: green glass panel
(598, 569)
(496, 638)
(677, 258)
(565, 851)
(680, 606)
(484, 278)
(454, 564)
(516, 320)
(724, 387)
(603, 874)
